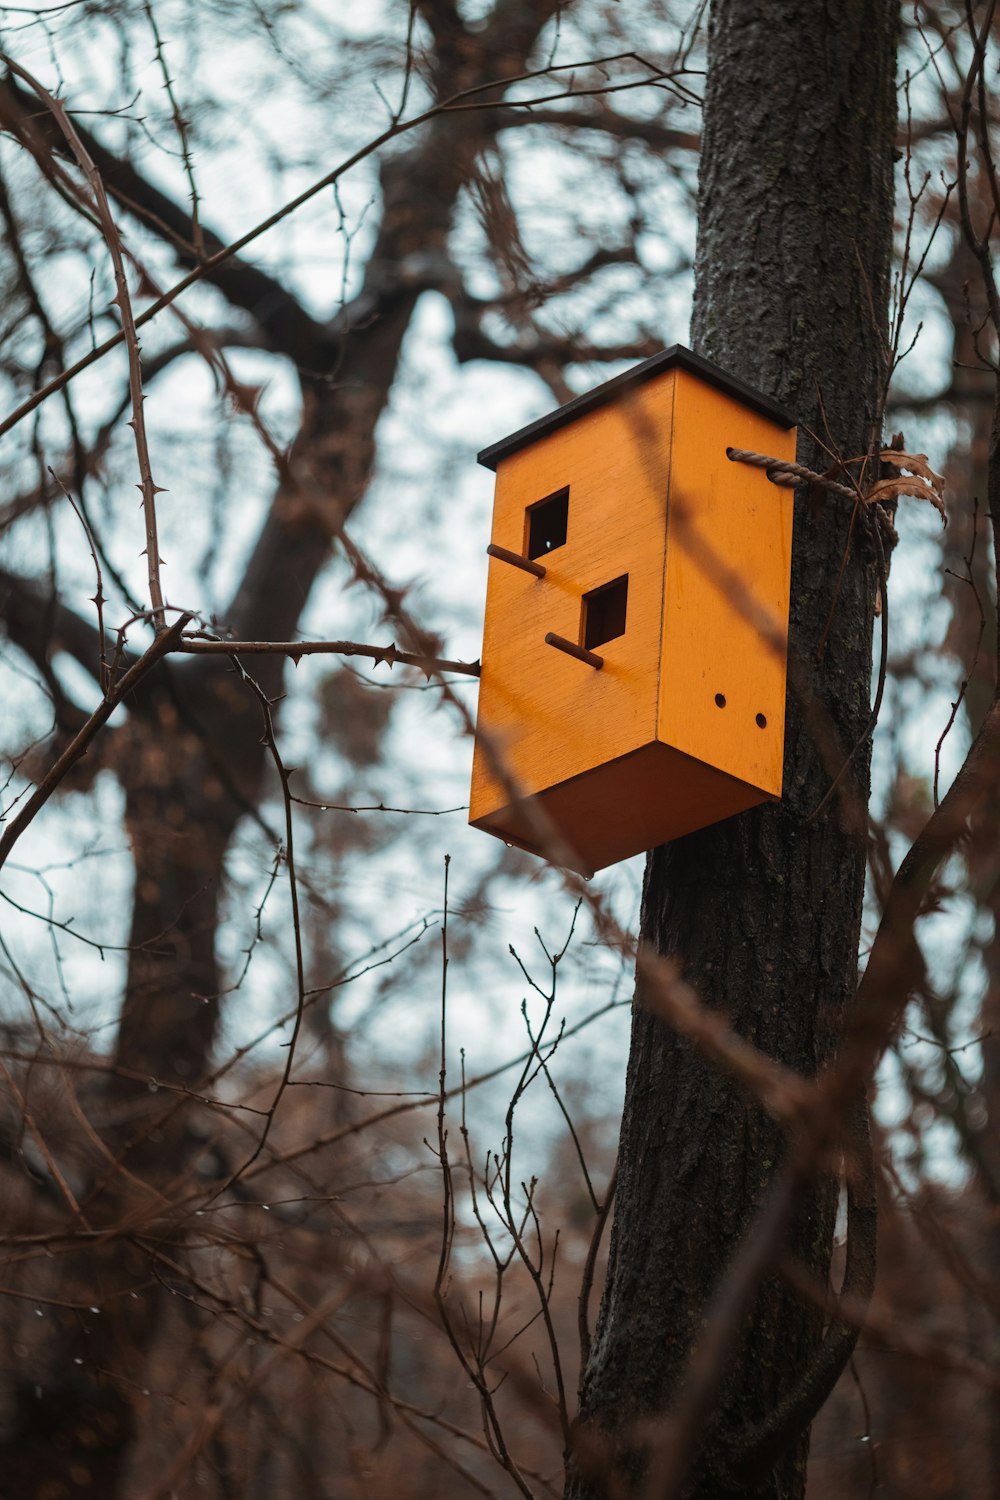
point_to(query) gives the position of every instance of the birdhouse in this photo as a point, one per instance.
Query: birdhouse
(633, 665)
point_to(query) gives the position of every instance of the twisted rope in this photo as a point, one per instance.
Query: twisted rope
(779, 471)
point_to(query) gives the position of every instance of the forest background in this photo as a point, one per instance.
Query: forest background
(226, 936)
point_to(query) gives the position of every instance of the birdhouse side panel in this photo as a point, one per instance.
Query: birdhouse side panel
(728, 566)
(550, 716)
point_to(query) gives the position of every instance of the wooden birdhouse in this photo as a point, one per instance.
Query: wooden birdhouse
(633, 666)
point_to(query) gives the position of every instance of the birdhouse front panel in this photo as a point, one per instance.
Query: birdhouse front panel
(633, 567)
(588, 504)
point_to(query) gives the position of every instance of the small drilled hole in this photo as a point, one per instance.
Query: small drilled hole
(761, 721)
(720, 700)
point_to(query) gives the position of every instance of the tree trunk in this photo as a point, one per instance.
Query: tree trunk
(763, 910)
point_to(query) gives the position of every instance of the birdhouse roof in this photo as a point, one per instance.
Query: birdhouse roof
(674, 358)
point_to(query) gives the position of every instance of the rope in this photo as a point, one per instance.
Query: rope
(787, 474)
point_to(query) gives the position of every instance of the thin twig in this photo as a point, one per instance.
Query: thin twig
(590, 1266)
(181, 126)
(293, 890)
(147, 488)
(463, 101)
(98, 599)
(381, 655)
(82, 741)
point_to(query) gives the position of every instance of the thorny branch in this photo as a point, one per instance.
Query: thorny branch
(123, 300)
(465, 99)
(85, 737)
(808, 1111)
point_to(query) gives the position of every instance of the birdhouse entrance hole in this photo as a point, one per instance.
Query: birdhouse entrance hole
(546, 523)
(604, 613)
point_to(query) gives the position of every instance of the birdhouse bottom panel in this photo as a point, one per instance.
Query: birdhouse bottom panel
(624, 807)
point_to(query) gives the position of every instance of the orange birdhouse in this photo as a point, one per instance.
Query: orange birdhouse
(633, 667)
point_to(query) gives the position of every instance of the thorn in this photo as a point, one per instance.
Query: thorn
(394, 602)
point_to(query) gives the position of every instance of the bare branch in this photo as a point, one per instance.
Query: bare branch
(123, 299)
(40, 626)
(82, 741)
(381, 655)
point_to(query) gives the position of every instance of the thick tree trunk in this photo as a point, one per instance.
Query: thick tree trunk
(795, 215)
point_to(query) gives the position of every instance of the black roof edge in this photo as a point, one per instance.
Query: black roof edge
(676, 357)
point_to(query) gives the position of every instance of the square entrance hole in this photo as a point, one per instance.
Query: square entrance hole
(546, 523)
(604, 612)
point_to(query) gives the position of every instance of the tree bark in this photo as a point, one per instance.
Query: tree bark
(763, 910)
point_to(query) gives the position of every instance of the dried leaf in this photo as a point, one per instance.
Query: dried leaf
(913, 463)
(885, 489)
(924, 485)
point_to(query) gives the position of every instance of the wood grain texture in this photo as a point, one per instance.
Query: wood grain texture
(575, 738)
(729, 560)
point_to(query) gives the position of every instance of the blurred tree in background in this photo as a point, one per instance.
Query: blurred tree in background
(356, 248)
